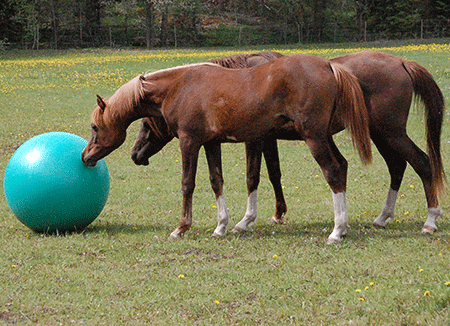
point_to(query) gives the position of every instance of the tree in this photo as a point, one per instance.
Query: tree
(10, 26)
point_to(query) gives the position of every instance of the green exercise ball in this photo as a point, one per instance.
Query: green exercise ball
(49, 189)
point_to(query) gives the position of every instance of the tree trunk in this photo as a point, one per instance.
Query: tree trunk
(149, 24)
(164, 24)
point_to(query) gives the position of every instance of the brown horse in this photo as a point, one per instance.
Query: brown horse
(206, 104)
(388, 83)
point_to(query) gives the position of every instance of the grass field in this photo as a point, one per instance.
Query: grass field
(123, 270)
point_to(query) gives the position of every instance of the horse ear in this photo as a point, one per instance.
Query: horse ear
(101, 104)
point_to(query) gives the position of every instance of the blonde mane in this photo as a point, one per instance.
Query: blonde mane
(121, 104)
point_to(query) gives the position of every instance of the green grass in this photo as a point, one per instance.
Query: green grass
(123, 270)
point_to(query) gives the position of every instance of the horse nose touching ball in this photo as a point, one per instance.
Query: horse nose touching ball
(49, 189)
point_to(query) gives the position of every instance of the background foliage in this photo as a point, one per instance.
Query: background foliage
(161, 23)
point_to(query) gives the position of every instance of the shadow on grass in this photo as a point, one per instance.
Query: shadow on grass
(358, 232)
(125, 228)
(361, 232)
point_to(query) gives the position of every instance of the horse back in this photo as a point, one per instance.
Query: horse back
(220, 102)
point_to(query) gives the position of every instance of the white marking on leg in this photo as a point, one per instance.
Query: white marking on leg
(250, 214)
(388, 210)
(222, 217)
(176, 234)
(430, 224)
(340, 217)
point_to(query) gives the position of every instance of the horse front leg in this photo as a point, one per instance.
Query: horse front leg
(270, 151)
(189, 152)
(253, 152)
(334, 168)
(214, 158)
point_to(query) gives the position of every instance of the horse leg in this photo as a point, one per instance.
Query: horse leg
(334, 168)
(189, 152)
(420, 162)
(253, 152)
(214, 158)
(270, 151)
(396, 166)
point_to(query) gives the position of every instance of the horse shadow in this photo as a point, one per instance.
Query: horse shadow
(358, 232)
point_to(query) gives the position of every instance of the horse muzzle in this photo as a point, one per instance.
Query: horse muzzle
(88, 161)
(139, 159)
(87, 158)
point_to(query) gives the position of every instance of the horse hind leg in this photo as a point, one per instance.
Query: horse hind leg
(420, 162)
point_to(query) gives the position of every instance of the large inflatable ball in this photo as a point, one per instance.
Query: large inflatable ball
(49, 189)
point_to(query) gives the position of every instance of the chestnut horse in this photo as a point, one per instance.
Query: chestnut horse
(388, 83)
(206, 104)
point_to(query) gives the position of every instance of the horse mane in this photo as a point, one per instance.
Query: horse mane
(120, 105)
(241, 60)
(161, 130)
(269, 55)
(233, 61)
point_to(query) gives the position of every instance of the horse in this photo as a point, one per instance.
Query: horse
(389, 84)
(206, 104)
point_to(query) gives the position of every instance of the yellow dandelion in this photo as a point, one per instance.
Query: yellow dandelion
(358, 290)
(366, 288)
(217, 301)
(361, 299)
(13, 266)
(275, 256)
(181, 276)
(371, 283)
(426, 293)
(421, 270)
(441, 255)
(447, 283)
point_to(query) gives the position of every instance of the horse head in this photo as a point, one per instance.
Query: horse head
(153, 135)
(106, 134)
(109, 121)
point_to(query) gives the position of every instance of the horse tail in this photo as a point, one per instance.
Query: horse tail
(350, 106)
(429, 95)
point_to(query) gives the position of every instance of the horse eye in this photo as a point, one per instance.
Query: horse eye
(146, 125)
(95, 128)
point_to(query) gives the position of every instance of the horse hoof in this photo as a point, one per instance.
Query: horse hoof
(237, 230)
(428, 229)
(331, 241)
(279, 221)
(378, 225)
(216, 235)
(174, 237)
